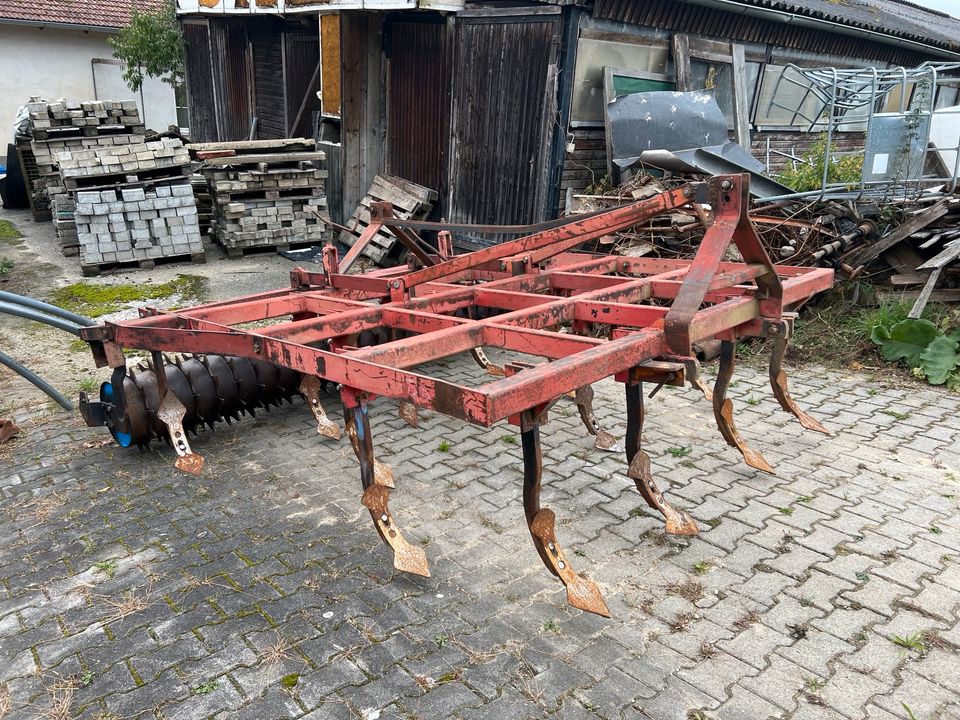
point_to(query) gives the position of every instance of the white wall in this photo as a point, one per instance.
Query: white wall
(55, 63)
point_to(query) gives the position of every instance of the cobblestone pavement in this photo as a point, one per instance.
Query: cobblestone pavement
(260, 590)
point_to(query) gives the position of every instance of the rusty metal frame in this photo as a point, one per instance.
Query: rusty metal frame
(537, 298)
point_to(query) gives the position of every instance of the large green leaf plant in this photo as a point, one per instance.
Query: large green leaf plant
(928, 351)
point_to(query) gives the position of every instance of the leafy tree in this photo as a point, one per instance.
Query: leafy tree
(150, 46)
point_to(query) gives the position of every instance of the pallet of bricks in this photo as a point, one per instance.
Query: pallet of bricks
(67, 126)
(134, 204)
(265, 193)
(410, 202)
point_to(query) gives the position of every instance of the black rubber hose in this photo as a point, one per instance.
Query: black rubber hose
(37, 316)
(35, 379)
(45, 307)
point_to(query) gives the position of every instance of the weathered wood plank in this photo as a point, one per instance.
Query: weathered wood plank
(862, 256)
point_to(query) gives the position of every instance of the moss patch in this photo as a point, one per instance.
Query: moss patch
(9, 235)
(95, 300)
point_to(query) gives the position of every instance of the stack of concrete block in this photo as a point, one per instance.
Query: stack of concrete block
(130, 163)
(137, 224)
(265, 193)
(134, 204)
(70, 117)
(62, 126)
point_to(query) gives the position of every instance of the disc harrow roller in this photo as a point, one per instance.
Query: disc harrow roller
(211, 388)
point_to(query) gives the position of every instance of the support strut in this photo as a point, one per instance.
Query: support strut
(581, 593)
(376, 496)
(723, 409)
(677, 521)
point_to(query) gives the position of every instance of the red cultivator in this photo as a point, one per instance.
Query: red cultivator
(533, 296)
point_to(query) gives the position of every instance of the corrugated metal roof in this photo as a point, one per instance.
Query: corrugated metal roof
(890, 17)
(87, 13)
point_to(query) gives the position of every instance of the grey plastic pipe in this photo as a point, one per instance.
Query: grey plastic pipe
(36, 315)
(35, 379)
(45, 307)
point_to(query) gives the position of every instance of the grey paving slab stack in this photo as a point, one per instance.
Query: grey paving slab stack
(265, 193)
(73, 126)
(135, 204)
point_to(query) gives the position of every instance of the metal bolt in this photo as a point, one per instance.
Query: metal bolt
(384, 517)
(773, 330)
(396, 283)
(688, 191)
(561, 564)
(726, 185)
(626, 265)
(551, 546)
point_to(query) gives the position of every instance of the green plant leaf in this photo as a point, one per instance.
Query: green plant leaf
(906, 340)
(939, 359)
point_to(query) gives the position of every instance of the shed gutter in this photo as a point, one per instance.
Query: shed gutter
(737, 8)
(59, 26)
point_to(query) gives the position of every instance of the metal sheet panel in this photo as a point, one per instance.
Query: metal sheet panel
(502, 117)
(418, 106)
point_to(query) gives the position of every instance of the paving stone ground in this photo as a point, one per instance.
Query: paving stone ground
(260, 590)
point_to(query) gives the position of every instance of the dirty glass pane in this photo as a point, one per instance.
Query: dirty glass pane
(592, 56)
(784, 100)
(717, 78)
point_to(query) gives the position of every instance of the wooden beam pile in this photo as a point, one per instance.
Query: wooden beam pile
(410, 202)
(265, 193)
(922, 251)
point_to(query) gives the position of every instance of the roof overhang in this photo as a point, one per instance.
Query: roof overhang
(58, 25)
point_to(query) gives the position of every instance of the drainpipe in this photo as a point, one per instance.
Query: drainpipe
(736, 8)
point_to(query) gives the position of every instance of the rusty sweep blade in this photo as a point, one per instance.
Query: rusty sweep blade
(677, 521)
(171, 412)
(406, 557)
(581, 593)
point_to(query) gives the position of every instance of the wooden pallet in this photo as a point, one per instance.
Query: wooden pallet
(39, 208)
(410, 201)
(205, 151)
(239, 251)
(72, 131)
(138, 178)
(93, 269)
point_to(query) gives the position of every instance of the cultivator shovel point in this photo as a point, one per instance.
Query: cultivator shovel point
(375, 334)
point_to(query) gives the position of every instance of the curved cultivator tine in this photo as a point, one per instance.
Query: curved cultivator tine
(678, 522)
(584, 400)
(483, 361)
(310, 389)
(723, 410)
(581, 592)
(778, 383)
(376, 495)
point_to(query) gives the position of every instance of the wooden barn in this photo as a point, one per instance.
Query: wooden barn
(499, 106)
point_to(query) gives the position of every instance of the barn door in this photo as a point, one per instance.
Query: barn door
(231, 85)
(418, 100)
(266, 39)
(199, 75)
(504, 107)
(302, 64)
